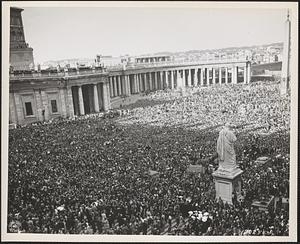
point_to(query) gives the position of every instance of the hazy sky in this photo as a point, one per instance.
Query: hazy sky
(69, 32)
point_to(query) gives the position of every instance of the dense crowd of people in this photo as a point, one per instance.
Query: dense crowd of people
(255, 106)
(90, 175)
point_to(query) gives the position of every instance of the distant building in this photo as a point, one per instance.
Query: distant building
(107, 61)
(152, 58)
(21, 55)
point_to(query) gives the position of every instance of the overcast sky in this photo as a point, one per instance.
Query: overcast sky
(60, 33)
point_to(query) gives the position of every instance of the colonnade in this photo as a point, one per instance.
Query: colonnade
(93, 93)
(134, 83)
(94, 100)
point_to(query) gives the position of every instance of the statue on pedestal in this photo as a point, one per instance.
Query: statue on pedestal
(227, 177)
(225, 149)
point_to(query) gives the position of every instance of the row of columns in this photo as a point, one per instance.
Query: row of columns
(150, 81)
(95, 101)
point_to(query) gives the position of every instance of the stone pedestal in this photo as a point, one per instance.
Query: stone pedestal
(226, 183)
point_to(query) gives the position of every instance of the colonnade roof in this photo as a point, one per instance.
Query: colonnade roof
(136, 68)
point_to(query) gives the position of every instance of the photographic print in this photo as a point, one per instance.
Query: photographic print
(150, 121)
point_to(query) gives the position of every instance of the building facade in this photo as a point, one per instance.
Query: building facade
(38, 96)
(41, 98)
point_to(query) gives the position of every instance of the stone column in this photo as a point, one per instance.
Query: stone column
(120, 86)
(245, 74)
(127, 84)
(234, 75)
(226, 75)
(70, 102)
(12, 110)
(220, 75)
(248, 72)
(96, 99)
(207, 76)
(150, 81)
(189, 77)
(135, 88)
(183, 78)
(161, 83)
(201, 76)
(111, 88)
(166, 79)
(124, 91)
(172, 79)
(19, 106)
(176, 78)
(81, 105)
(142, 84)
(196, 77)
(115, 86)
(106, 100)
(38, 102)
(63, 102)
(135, 81)
(213, 76)
(155, 81)
(145, 81)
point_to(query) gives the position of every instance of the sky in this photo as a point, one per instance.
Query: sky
(57, 33)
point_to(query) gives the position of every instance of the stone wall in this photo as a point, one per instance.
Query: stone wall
(37, 105)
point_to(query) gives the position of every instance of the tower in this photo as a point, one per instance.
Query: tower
(285, 72)
(20, 55)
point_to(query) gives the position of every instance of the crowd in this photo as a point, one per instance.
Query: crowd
(91, 175)
(258, 107)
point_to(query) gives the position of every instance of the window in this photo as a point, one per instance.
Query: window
(13, 36)
(54, 106)
(28, 109)
(20, 36)
(18, 21)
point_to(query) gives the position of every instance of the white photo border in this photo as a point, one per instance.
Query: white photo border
(293, 8)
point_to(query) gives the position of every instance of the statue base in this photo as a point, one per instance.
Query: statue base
(227, 182)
